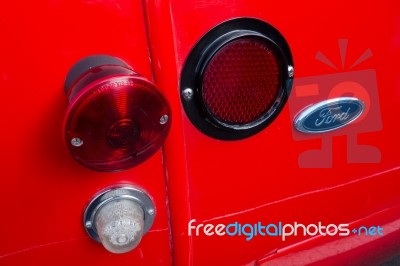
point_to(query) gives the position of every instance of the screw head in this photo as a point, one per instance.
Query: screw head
(164, 119)
(290, 71)
(187, 94)
(150, 211)
(88, 224)
(76, 142)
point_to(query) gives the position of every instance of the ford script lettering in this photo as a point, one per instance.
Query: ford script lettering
(329, 115)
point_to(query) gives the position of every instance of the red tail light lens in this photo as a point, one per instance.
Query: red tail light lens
(116, 119)
(241, 81)
(237, 79)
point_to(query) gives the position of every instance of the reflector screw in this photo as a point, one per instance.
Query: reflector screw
(164, 119)
(88, 224)
(290, 71)
(150, 211)
(187, 94)
(76, 142)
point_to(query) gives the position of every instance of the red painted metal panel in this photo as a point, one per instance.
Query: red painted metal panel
(352, 250)
(247, 181)
(259, 178)
(45, 190)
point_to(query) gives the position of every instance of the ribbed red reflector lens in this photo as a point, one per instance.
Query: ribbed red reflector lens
(241, 82)
(117, 121)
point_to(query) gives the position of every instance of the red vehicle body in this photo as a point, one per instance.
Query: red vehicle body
(194, 176)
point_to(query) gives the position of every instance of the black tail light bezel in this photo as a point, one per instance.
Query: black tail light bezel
(198, 60)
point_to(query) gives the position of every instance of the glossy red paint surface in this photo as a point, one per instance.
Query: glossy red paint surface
(352, 250)
(212, 181)
(45, 191)
(259, 179)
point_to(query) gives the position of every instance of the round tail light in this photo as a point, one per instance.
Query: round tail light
(116, 118)
(237, 79)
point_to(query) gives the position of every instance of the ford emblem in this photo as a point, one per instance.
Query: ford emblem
(329, 115)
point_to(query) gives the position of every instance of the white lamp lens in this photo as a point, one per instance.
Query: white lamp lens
(120, 225)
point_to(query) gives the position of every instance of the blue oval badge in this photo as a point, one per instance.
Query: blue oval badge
(329, 115)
